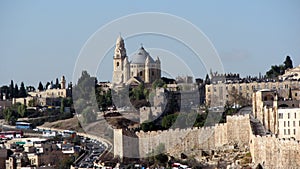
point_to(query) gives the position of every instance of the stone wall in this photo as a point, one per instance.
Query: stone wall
(236, 130)
(272, 152)
(269, 151)
(149, 113)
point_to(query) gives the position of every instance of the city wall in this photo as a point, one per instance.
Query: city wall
(272, 152)
(236, 130)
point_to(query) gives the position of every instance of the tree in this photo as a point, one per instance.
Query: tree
(22, 92)
(138, 92)
(10, 116)
(168, 120)
(41, 87)
(65, 162)
(16, 91)
(47, 85)
(62, 105)
(207, 79)
(56, 83)
(277, 70)
(237, 98)
(288, 63)
(158, 83)
(32, 103)
(11, 89)
(89, 115)
(21, 110)
(5, 91)
(147, 126)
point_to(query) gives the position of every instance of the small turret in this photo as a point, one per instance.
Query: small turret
(63, 82)
(157, 60)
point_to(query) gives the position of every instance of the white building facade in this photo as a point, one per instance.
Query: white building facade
(289, 123)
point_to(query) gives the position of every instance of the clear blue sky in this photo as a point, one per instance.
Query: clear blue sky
(40, 40)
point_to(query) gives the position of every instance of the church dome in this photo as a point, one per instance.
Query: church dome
(141, 56)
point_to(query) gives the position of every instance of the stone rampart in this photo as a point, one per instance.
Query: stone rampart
(236, 130)
(272, 152)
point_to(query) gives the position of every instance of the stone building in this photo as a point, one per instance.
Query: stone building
(278, 116)
(289, 123)
(219, 93)
(49, 97)
(141, 68)
(291, 74)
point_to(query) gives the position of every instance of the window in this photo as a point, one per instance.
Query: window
(286, 86)
(294, 131)
(280, 116)
(294, 123)
(284, 124)
(295, 115)
(288, 123)
(288, 131)
(118, 64)
(152, 73)
(141, 73)
(288, 115)
(284, 132)
(295, 94)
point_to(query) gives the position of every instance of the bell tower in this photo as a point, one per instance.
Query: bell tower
(118, 61)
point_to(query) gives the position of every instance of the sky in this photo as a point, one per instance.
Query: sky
(42, 40)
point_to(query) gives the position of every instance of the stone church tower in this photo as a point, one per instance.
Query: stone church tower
(141, 68)
(120, 62)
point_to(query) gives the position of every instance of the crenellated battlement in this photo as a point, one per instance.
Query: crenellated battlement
(236, 129)
(238, 117)
(194, 129)
(274, 152)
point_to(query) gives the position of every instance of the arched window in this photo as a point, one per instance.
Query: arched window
(118, 64)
